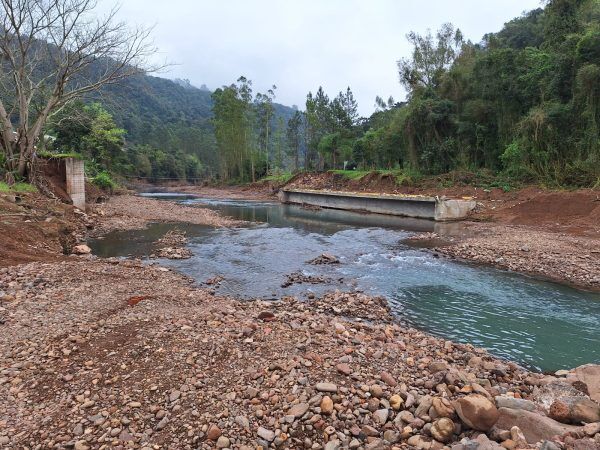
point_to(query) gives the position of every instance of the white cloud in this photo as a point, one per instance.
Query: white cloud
(301, 44)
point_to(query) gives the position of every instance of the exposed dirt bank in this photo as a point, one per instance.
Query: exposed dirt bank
(114, 354)
(36, 228)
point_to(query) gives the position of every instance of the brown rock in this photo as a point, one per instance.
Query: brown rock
(326, 405)
(590, 375)
(213, 433)
(344, 368)
(534, 426)
(477, 412)
(442, 430)
(298, 410)
(443, 407)
(388, 379)
(575, 410)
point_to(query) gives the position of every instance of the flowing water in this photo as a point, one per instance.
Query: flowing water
(542, 325)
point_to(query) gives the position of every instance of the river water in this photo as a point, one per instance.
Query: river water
(542, 325)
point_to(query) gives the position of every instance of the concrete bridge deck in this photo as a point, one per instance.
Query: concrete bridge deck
(424, 207)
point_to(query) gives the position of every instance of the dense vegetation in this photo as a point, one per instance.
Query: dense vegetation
(524, 103)
(145, 127)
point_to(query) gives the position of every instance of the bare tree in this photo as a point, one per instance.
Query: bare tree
(51, 53)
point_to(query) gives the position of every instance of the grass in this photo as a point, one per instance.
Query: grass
(401, 177)
(59, 155)
(281, 177)
(17, 188)
(352, 174)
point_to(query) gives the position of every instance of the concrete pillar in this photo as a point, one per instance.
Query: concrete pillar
(75, 178)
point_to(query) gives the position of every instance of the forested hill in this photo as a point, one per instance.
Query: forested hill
(168, 130)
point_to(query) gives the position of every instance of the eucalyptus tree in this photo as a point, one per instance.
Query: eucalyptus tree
(293, 134)
(52, 53)
(264, 115)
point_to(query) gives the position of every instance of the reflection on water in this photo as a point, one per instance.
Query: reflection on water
(540, 324)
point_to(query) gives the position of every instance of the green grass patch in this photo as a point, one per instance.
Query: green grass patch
(17, 188)
(281, 177)
(59, 155)
(351, 174)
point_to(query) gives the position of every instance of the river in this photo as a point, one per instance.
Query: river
(542, 325)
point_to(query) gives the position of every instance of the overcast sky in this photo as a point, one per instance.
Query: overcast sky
(299, 45)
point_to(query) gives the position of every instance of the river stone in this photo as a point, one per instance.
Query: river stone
(223, 442)
(535, 427)
(477, 412)
(442, 430)
(381, 416)
(388, 379)
(443, 407)
(81, 249)
(515, 403)
(326, 405)
(575, 410)
(213, 432)
(265, 434)
(396, 402)
(326, 387)
(298, 410)
(590, 375)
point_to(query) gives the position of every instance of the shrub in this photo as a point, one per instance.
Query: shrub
(104, 181)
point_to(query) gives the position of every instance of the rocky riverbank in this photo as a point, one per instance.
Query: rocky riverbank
(116, 354)
(560, 257)
(130, 212)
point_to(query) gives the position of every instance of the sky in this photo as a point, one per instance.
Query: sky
(299, 45)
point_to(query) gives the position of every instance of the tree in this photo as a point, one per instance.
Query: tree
(430, 58)
(293, 136)
(54, 52)
(264, 113)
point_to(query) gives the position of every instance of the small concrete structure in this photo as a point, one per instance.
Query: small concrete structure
(434, 208)
(75, 180)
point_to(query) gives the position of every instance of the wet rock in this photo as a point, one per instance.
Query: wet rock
(535, 427)
(477, 412)
(325, 258)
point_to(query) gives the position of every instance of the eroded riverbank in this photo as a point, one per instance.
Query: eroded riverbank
(102, 354)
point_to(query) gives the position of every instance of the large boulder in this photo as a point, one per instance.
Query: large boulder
(477, 412)
(575, 410)
(590, 375)
(534, 426)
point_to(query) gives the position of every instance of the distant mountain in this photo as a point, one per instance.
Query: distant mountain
(172, 115)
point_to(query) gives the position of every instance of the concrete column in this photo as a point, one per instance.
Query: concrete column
(75, 178)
